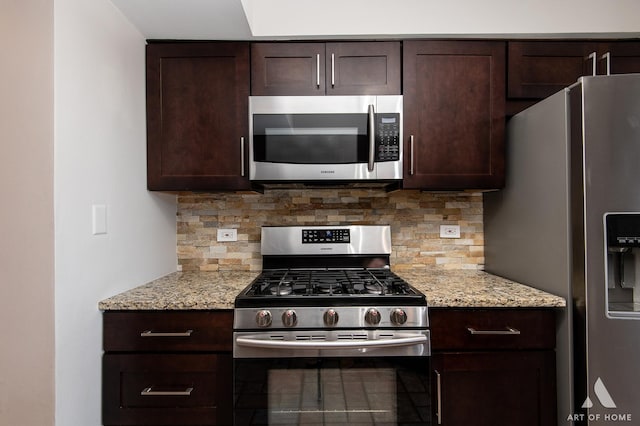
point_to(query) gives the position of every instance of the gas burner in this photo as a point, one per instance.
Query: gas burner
(282, 289)
(328, 287)
(373, 287)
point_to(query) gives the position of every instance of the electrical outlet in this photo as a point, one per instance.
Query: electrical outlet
(449, 231)
(227, 235)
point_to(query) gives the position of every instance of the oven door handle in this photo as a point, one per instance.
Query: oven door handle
(311, 344)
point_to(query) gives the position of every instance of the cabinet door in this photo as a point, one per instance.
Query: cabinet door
(453, 114)
(167, 389)
(537, 69)
(363, 68)
(624, 57)
(197, 108)
(287, 69)
(494, 388)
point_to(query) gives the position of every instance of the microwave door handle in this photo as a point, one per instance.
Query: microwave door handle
(372, 138)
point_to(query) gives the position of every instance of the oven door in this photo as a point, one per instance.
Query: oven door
(335, 385)
(302, 138)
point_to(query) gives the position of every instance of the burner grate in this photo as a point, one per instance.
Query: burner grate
(345, 282)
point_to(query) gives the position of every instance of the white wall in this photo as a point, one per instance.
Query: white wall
(100, 158)
(299, 18)
(26, 215)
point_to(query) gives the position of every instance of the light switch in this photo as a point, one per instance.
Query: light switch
(99, 216)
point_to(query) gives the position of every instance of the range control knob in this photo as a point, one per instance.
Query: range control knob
(330, 317)
(289, 318)
(372, 316)
(398, 316)
(263, 318)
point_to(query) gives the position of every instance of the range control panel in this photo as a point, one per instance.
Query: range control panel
(323, 236)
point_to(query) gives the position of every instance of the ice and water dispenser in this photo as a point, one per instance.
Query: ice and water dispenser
(622, 238)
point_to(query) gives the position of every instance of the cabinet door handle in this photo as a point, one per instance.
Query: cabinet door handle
(607, 57)
(411, 155)
(593, 57)
(318, 70)
(507, 331)
(149, 333)
(438, 397)
(333, 70)
(149, 392)
(242, 156)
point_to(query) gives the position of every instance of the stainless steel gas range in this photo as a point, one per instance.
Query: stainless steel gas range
(328, 334)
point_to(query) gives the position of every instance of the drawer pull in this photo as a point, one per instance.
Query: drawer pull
(149, 392)
(150, 333)
(508, 331)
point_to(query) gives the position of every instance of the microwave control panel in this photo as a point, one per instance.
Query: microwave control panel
(387, 137)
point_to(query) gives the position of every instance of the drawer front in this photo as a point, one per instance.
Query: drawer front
(488, 329)
(155, 389)
(163, 331)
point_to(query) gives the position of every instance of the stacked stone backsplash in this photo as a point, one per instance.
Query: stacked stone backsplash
(415, 218)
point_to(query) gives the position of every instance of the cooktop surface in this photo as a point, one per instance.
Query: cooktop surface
(328, 287)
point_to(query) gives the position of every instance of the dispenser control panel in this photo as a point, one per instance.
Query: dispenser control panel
(623, 229)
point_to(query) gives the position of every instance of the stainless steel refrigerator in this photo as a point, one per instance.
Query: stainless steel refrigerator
(568, 222)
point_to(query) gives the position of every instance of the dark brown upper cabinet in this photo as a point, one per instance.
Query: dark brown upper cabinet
(341, 68)
(537, 69)
(454, 100)
(197, 108)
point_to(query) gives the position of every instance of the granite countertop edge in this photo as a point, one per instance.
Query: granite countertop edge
(442, 288)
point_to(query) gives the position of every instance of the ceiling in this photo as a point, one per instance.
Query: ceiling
(187, 19)
(291, 19)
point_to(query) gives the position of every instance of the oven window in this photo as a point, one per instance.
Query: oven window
(331, 396)
(310, 138)
(323, 391)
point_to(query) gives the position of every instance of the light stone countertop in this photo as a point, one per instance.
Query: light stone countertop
(217, 290)
(183, 290)
(471, 289)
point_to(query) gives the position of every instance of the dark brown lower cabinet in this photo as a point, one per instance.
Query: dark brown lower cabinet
(494, 388)
(167, 368)
(493, 367)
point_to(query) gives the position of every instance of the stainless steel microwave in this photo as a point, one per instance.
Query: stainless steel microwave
(306, 139)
